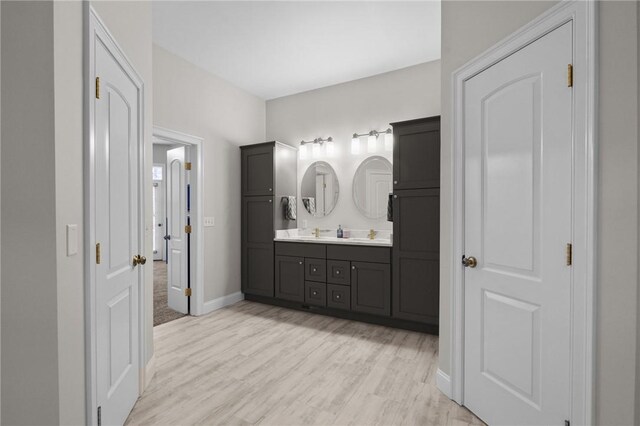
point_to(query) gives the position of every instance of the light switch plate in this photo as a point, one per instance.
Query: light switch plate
(72, 240)
(208, 222)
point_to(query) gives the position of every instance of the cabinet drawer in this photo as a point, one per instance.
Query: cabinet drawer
(338, 272)
(315, 270)
(315, 293)
(319, 251)
(338, 296)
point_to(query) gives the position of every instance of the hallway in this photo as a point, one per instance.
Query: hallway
(162, 313)
(253, 363)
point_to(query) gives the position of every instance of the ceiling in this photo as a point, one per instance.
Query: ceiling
(274, 49)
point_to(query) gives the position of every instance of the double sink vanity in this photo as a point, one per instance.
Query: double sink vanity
(387, 277)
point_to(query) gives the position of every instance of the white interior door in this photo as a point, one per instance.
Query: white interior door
(158, 196)
(518, 192)
(116, 230)
(321, 194)
(177, 274)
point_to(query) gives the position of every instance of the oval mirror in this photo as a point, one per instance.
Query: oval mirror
(319, 189)
(372, 186)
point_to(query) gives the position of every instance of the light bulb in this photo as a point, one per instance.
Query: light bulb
(371, 143)
(303, 152)
(388, 141)
(355, 145)
(330, 148)
(315, 151)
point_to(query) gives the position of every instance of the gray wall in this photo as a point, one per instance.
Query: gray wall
(191, 100)
(341, 110)
(470, 27)
(28, 235)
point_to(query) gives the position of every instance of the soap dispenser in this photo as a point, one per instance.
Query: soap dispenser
(340, 233)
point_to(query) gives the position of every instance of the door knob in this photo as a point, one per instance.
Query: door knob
(469, 262)
(139, 260)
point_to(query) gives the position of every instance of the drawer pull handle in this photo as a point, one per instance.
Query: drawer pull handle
(337, 296)
(337, 272)
(315, 293)
(315, 270)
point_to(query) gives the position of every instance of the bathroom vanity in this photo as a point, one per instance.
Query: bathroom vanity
(377, 276)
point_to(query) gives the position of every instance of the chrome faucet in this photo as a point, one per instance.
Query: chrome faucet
(372, 234)
(316, 232)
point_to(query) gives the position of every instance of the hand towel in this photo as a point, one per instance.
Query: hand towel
(289, 206)
(309, 204)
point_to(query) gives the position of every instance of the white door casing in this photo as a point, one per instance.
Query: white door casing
(583, 17)
(114, 213)
(518, 143)
(177, 261)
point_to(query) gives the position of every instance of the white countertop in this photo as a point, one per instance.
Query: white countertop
(383, 239)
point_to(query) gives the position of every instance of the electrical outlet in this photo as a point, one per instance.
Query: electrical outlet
(208, 222)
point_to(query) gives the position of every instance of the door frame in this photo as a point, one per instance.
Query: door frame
(583, 14)
(95, 28)
(173, 137)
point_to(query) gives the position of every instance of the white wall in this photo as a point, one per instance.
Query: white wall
(470, 27)
(354, 107)
(190, 100)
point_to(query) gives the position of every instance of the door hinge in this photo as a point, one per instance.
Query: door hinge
(187, 292)
(567, 423)
(570, 75)
(97, 87)
(187, 165)
(99, 416)
(187, 229)
(569, 254)
(97, 253)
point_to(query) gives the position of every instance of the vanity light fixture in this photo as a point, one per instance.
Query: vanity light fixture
(372, 141)
(315, 148)
(355, 144)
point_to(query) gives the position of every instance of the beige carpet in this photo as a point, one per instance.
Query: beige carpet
(161, 311)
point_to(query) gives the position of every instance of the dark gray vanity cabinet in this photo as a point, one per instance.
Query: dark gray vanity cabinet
(289, 278)
(371, 288)
(257, 245)
(416, 153)
(416, 254)
(416, 220)
(268, 175)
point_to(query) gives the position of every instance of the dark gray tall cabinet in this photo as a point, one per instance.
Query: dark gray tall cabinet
(269, 173)
(416, 220)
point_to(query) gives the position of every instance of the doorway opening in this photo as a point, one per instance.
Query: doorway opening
(177, 231)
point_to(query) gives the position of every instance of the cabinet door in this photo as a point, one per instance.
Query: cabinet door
(257, 170)
(416, 154)
(257, 245)
(290, 278)
(416, 250)
(371, 288)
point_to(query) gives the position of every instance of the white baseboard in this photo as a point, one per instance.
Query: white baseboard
(221, 302)
(149, 371)
(443, 382)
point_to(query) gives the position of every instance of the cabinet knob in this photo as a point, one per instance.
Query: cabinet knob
(315, 293)
(337, 296)
(395, 196)
(395, 182)
(337, 272)
(300, 263)
(270, 200)
(270, 189)
(353, 267)
(315, 270)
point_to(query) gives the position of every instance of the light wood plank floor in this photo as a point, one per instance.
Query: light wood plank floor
(257, 364)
